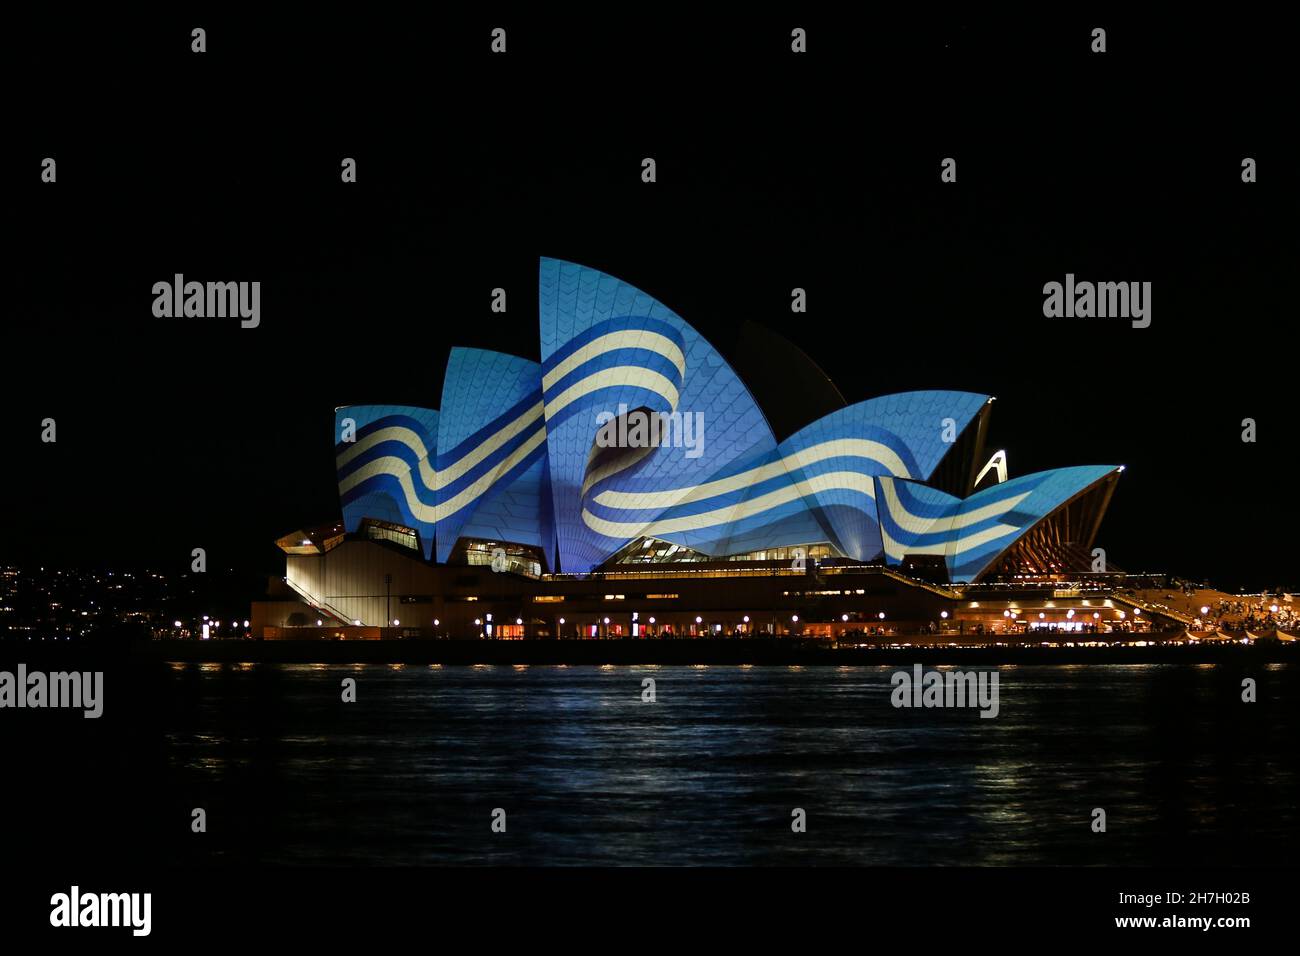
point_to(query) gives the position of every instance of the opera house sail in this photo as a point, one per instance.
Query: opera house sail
(634, 447)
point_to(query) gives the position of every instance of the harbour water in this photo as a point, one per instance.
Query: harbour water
(711, 772)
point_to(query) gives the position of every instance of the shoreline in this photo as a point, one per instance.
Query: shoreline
(779, 652)
(698, 651)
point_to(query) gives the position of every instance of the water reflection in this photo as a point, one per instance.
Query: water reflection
(708, 773)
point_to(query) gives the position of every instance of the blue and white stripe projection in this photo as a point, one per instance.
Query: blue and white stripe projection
(816, 486)
(606, 345)
(514, 455)
(971, 533)
(384, 456)
(492, 473)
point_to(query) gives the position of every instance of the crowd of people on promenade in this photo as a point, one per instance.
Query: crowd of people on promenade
(1247, 614)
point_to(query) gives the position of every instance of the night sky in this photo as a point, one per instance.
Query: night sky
(774, 171)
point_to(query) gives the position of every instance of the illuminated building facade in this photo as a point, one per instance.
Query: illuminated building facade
(634, 451)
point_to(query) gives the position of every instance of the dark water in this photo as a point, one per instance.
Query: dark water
(709, 774)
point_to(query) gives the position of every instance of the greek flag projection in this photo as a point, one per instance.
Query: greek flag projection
(633, 426)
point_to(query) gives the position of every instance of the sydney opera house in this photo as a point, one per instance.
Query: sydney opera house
(631, 484)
